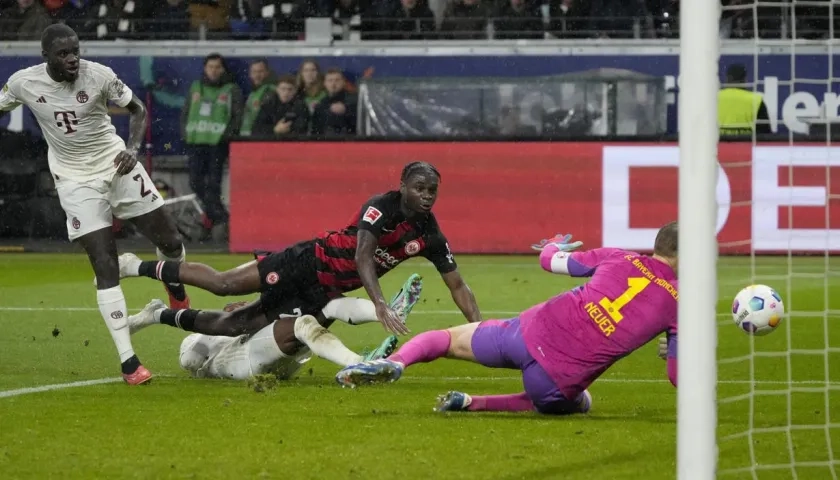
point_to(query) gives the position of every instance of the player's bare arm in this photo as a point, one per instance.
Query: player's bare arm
(365, 250)
(462, 295)
(127, 159)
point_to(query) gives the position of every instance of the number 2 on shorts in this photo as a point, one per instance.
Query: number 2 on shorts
(613, 307)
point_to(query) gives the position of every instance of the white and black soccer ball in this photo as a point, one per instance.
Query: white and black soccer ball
(758, 310)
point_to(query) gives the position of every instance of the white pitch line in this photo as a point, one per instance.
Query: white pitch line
(102, 381)
(57, 386)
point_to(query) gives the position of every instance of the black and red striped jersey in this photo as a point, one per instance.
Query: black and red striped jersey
(398, 239)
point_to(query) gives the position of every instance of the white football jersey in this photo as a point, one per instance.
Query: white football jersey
(73, 116)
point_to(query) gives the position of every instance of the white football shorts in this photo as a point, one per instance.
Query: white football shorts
(91, 205)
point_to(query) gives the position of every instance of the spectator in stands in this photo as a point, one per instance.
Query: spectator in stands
(24, 21)
(283, 114)
(212, 15)
(465, 20)
(517, 19)
(338, 9)
(170, 21)
(620, 18)
(568, 18)
(262, 84)
(246, 20)
(401, 20)
(211, 115)
(336, 113)
(310, 84)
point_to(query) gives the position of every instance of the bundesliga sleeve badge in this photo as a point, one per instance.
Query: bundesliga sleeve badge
(371, 215)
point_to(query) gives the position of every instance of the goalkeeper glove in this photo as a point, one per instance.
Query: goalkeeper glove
(560, 241)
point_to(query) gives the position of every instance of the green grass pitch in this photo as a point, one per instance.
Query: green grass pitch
(309, 428)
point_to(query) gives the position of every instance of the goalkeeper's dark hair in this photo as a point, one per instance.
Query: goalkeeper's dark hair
(56, 30)
(665, 244)
(415, 168)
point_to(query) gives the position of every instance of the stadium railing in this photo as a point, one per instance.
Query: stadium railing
(543, 25)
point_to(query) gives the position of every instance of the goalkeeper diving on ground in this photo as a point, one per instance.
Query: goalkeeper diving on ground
(563, 345)
(281, 347)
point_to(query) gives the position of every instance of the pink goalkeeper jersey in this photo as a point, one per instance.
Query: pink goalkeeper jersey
(579, 334)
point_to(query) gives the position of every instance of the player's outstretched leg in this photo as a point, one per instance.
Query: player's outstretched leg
(520, 402)
(241, 280)
(425, 347)
(325, 344)
(356, 311)
(244, 320)
(159, 227)
(101, 249)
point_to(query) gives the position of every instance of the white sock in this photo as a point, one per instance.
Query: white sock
(354, 311)
(112, 307)
(323, 343)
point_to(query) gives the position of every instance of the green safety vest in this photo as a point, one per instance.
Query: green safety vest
(252, 108)
(737, 111)
(209, 113)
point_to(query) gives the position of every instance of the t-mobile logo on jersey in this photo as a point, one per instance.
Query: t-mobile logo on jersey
(67, 120)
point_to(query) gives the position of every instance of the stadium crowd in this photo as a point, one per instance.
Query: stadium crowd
(403, 19)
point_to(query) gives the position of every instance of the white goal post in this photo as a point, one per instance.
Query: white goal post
(698, 142)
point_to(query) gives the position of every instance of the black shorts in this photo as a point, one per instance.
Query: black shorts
(289, 282)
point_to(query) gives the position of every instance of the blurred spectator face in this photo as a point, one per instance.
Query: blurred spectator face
(286, 91)
(309, 73)
(214, 69)
(24, 4)
(517, 4)
(334, 82)
(409, 4)
(258, 73)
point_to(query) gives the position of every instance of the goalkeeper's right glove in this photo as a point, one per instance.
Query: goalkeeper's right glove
(560, 241)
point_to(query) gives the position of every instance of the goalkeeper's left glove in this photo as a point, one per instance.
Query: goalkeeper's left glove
(560, 241)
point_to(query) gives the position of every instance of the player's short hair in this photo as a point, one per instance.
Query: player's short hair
(289, 79)
(665, 244)
(415, 168)
(56, 30)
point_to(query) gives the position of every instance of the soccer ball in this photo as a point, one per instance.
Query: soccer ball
(758, 310)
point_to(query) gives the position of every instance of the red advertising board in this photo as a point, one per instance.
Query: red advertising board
(499, 197)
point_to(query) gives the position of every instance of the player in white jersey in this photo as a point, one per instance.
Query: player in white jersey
(281, 343)
(279, 348)
(96, 174)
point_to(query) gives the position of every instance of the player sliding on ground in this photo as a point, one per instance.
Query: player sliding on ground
(96, 174)
(279, 348)
(563, 345)
(304, 278)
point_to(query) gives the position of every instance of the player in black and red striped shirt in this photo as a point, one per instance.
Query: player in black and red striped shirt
(387, 230)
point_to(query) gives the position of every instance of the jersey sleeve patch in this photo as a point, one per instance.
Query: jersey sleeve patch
(372, 215)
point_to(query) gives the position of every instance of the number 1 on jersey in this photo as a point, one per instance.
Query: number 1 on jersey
(613, 307)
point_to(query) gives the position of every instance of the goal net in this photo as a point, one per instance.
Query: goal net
(777, 406)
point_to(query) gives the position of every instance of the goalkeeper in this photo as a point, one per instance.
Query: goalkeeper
(563, 345)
